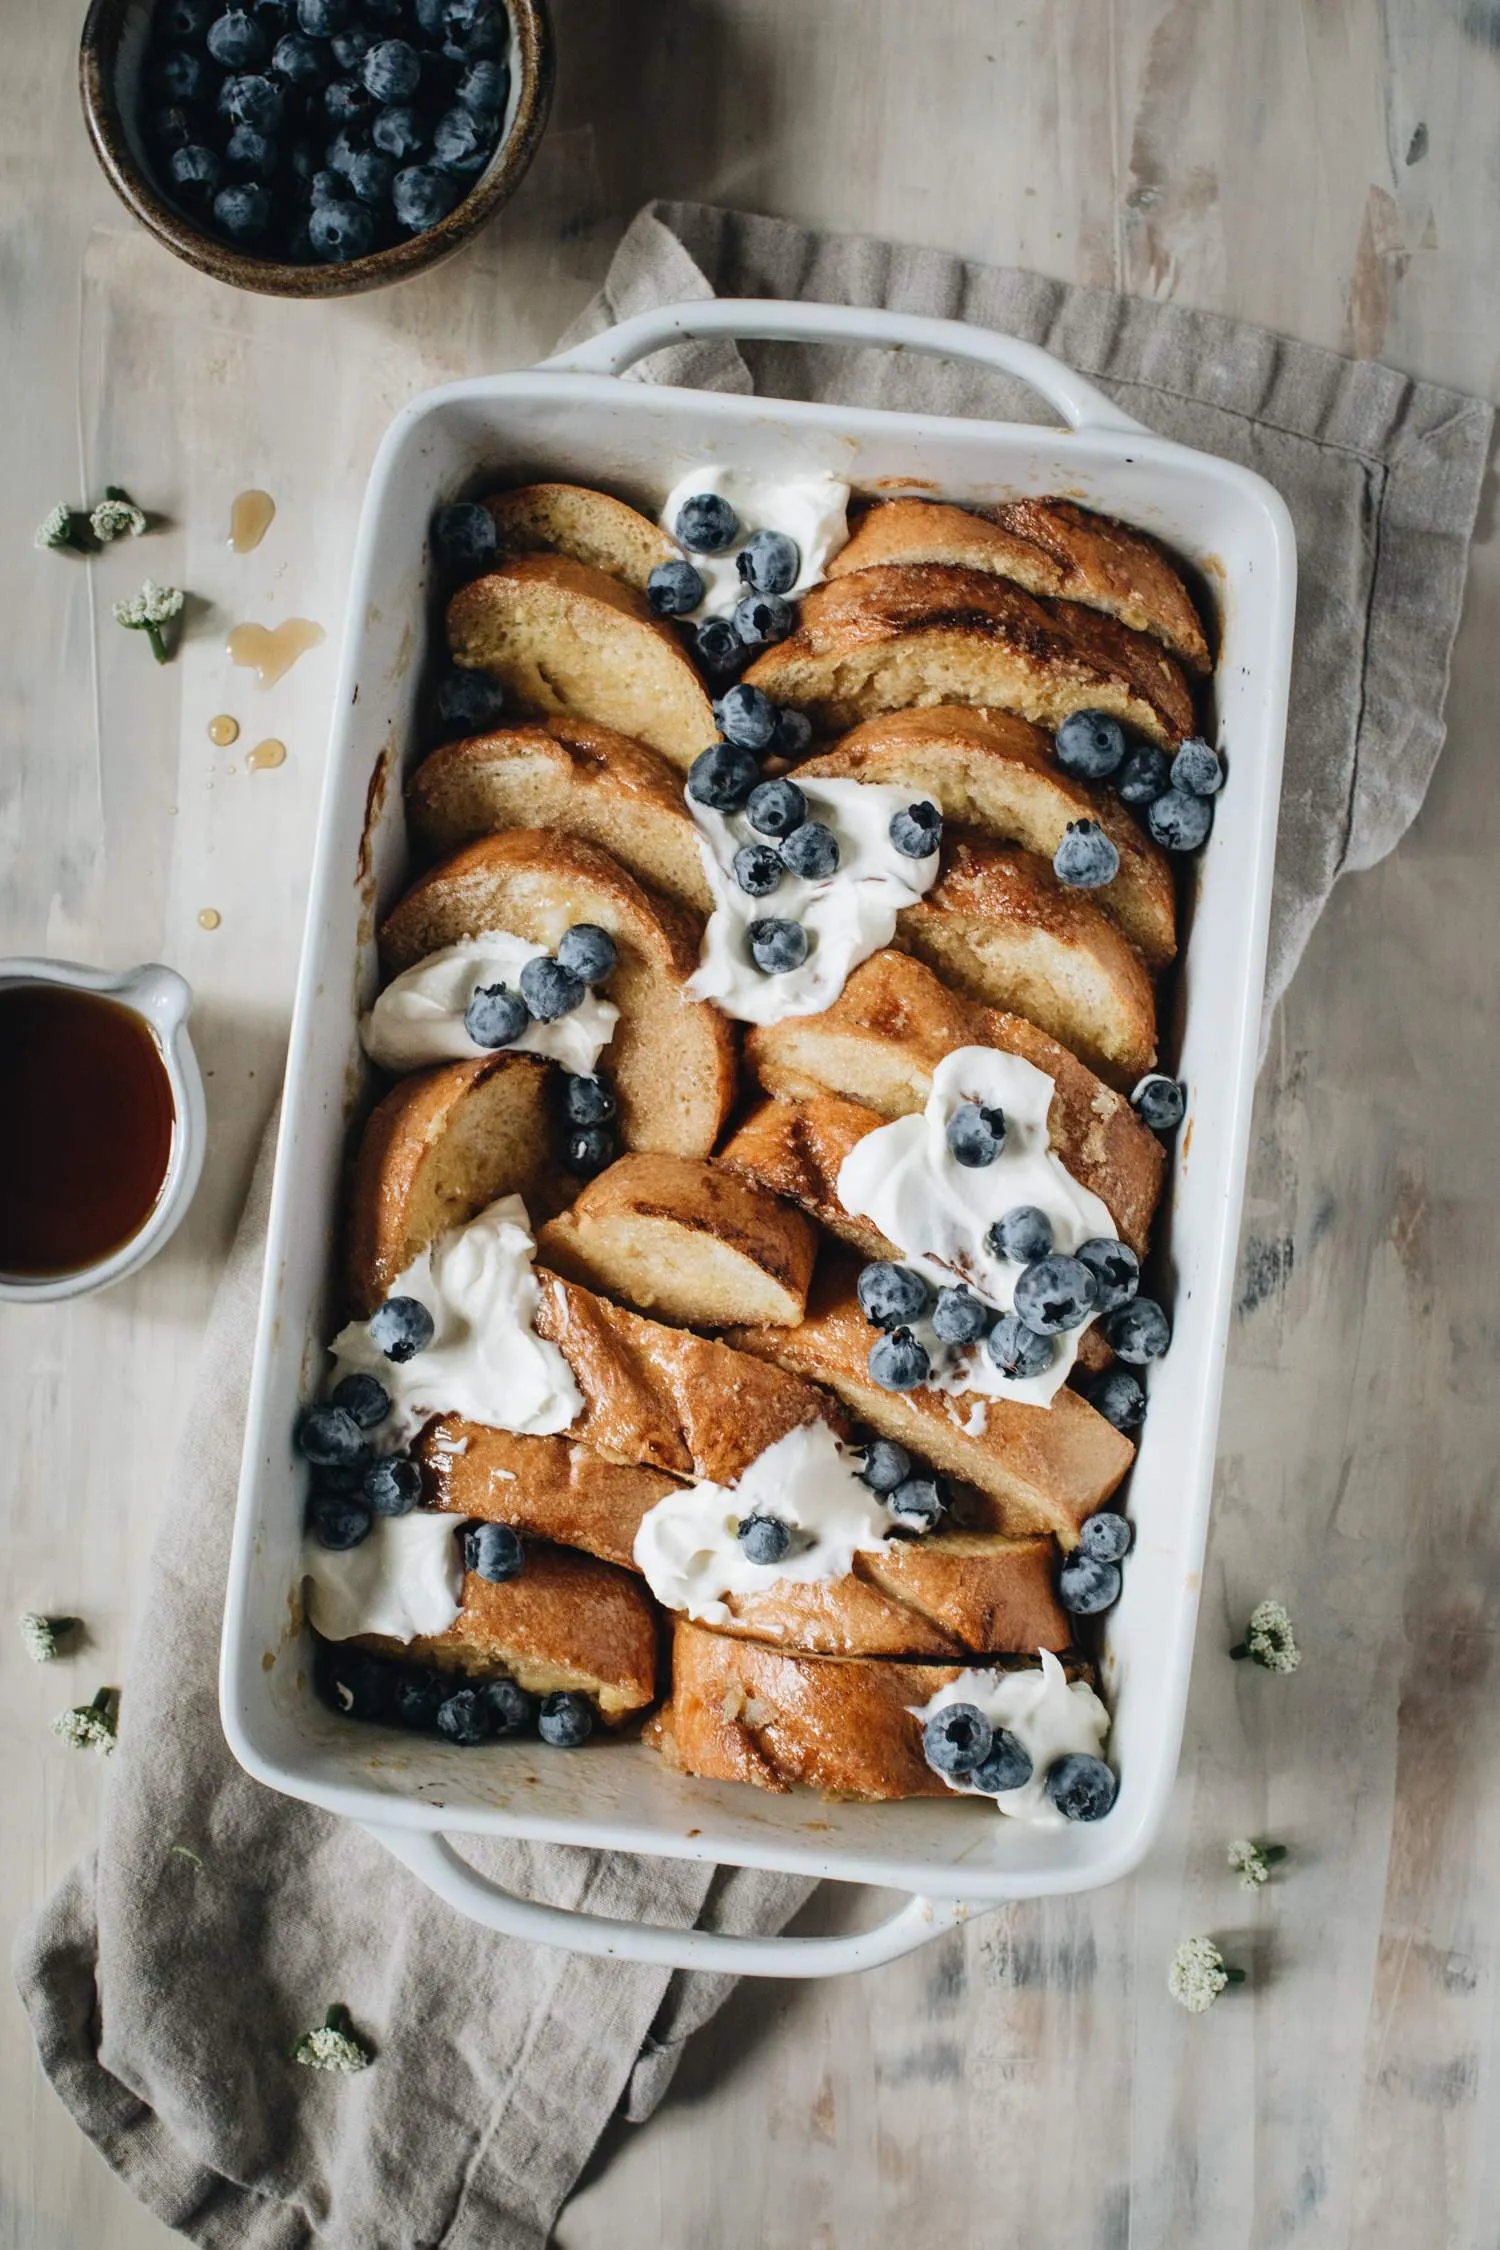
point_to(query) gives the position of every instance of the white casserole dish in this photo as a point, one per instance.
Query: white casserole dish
(572, 418)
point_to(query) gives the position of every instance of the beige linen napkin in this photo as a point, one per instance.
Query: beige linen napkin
(167, 1979)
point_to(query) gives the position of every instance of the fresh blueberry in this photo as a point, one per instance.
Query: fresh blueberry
(1106, 1536)
(1116, 1270)
(549, 990)
(463, 534)
(352, 1682)
(296, 240)
(422, 195)
(274, 15)
(956, 1739)
(811, 851)
(345, 102)
(364, 1397)
(777, 947)
(384, 12)
(1086, 857)
(429, 14)
(890, 1295)
(769, 562)
(1196, 768)
(588, 1101)
(342, 151)
(185, 19)
(400, 133)
(718, 648)
(496, 1016)
(322, 18)
(180, 75)
(462, 141)
(1081, 1787)
(485, 88)
(243, 211)
(393, 1486)
(1144, 775)
(237, 42)
(590, 1149)
(247, 98)
(416, 1695)
(761, 619)
(338, 1520)
(673, 589)
(793, 733)
(472, 28)
(512, 1710)
(706, 525)
(959, 1317)
(1160, 1102)
(401, 1328)
(918, 1503)
(722, 778)
(330, 1437)
(975, 1135)
(758, 869)
(301, 61)
(1085, 1585)
(776, 808)
(392, 71)
(466, 1718)
(1119, 1398)
(474, 701)
(250, 151)
(1017, 1350)
(1180, 823)
(898, 1362)
(493, 1552)
(1023, 1235)
(340, 231)
(565, 1720)
(1138, 1332)
(195, 172)
(746, 717)
(764, 1539)
(327, 187)
(302, 164)
(588, 951)
(1090, 744)
(370, 175)
(1055, 1293)
(917, 830)
(1007, 1767)
(886, 1465)
(173, 127)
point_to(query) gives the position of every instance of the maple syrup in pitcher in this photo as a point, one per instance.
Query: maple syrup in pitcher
(85, 1128)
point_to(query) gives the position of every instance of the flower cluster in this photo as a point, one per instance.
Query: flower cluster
(334, 2045)
(40, 1635)
(1199, 1974)
(1269, 1640)
(90, 1726)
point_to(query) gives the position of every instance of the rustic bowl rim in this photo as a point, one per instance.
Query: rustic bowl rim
(98, 58)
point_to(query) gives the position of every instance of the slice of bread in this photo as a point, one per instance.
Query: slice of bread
(672, 1059)
(544, 1487)
(592, 527)
(685, 1240)
(922, 633)
(990, 771)
(564, 637)
(890, 1028)
(574, 779)
(1050, 547)
(999, 927)
(1042, 1468)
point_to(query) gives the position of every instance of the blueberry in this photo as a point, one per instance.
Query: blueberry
(330, 1436)
(249, 99)
(890, 1294)
(1082, 1788)
(301, 61)
(761, 619)
(1160, 1102)
(243, 211)
(722, 778)
(429, 14)
(302, 163)
(384, 12)
(1090, 744)
(485, 87)
(758, 869)
(472, 28)
(673, 589)
(1106, 1536)
(1085, 1585)
(956, 1739)
(474, 701)
(588, 1101)
(463, 533)
(918, 1502)
(1007, 1767)
(296, 240)
(898, 1362)
(496, 1016)
(195, 172)
(338, 1520)
(776, 808)
(363, 1396)
(237, 42)
(465, 1718)
(251, 151)
(1086, 857)
(769, 562)
(718, 647)
(461, 141)
(322, 18)
(341, 230)
(1055, 1293)
(185, 19)
(777, 947)
(1116, 1270)
(811, 851)
(401, 1328)
(1119, 1398)
(706, 525)
(327, 187)
(793, 733)
(173, 127)
(345, 102)
(764, 1539)
(886, 1466)
(512, 1710)
(1018, 1351)
(370, 175)
(588, 952)
(392, 71)
(393, 1486)
(1138, 1332)
(422, 195)
(975, 1135)
(493, 1552)
(1144, 775)
(1180, 823)
(959, 1317)
(565, 1720)
(590, 1149)
(917, 830)
(1023, 1235)
(352, 1682)
(416, 1695)
(1196, 768)
(180, 75)
(400, 133)
(549, 990)
(746, 717)
(342, 151)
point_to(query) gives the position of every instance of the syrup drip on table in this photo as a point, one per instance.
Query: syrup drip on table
(270, 651)
(250, 520)
(223, 730)
(265, 755)
(210, 918)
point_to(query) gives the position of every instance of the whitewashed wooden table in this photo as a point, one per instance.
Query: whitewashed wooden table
(1331, 171)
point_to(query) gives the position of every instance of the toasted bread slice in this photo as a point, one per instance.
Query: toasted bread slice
(544, 1487)
(999, 927)
(672, 1059)
(1050, 547)
(592, 527)
(918, 634)
(990, 771)
(1042, 1468)
(567, 1621)
(685, 1240)
(953, 1593)
(892, 1025)
(564, 637)
(574, 779)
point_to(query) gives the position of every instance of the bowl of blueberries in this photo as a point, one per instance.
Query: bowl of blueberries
(312, 148)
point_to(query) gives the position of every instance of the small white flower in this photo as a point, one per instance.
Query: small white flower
(1253, 1862)
(55, 528)
(1198, 1974)
(116, 518)
(91, 1726)
(153, 605)
(1269, 1640)
(40, 1635)
(335, 2045)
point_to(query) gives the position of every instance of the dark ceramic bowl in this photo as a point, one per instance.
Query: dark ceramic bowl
(111, 60)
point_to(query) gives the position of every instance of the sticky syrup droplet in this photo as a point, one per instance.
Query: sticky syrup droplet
(265, 755)
(210, 918)
(270, 651)
(223, 730)
(250, 520)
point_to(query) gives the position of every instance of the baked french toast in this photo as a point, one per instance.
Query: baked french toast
(591, 527)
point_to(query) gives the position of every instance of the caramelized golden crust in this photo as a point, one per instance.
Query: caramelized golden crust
(545, 1487)
(592, 527)
(953, 1593)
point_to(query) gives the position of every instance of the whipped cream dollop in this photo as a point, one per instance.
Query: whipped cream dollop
(905, 1179)
(688, 1547)
(813, 510)
(406, 1577)
(1050, 1716)
(484, 1362)
(419, 1018)
(848, 915)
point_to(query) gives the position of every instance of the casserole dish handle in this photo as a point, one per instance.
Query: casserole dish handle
(434, 1862)
(1080, 405)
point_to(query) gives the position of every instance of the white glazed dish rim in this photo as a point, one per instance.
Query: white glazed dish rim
(1101, 444)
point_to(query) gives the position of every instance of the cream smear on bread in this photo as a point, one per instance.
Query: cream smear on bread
(418, 1019)
(811, 510)
(404, 1578)
(1050, 1716)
